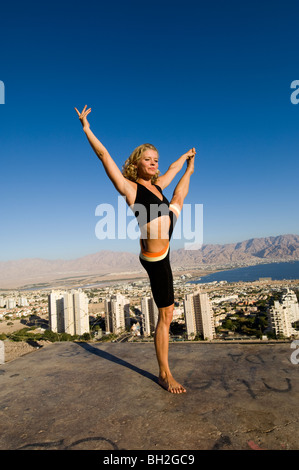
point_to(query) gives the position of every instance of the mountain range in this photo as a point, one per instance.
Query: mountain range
(30, 271)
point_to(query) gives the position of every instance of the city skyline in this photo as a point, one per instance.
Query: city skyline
(261, 310)
(215, 77)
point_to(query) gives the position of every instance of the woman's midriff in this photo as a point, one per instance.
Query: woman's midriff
(154, 235)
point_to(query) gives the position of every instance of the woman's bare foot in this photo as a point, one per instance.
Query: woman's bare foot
(190, 164)
(171, 385)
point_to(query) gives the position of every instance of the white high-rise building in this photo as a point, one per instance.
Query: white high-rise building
(150, 313)
(56, 311)
(289, 300)
(117, 313)
(81, 312)
(68, 312)
(10, 303)
(282, 315)
(23, 302)
(189, 313)
(199, 315)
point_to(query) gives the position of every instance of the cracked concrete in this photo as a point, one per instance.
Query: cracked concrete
(106, 396)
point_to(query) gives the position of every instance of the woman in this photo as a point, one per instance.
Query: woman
(142, 185)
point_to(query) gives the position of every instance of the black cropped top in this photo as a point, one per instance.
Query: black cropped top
(148, 206)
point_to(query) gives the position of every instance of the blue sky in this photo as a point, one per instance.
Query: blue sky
(213, 75)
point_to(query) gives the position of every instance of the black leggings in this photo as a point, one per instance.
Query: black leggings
(161, 280)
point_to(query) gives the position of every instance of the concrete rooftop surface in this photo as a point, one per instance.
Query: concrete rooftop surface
(105, 396)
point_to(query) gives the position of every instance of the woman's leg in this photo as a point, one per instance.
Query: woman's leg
(182, 188)
(162, 283)
(166, 379)
(165, 314)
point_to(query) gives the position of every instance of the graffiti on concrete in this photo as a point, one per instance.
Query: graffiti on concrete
(242, 371)
(101, 442)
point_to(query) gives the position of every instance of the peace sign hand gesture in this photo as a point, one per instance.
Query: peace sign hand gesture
(82, 117)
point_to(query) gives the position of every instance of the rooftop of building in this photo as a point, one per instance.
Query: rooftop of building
(105, 396)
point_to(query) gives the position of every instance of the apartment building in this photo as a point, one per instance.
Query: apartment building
(282, 315)
(117, 313)
(150, 313)
(199, 315)
(68, 312)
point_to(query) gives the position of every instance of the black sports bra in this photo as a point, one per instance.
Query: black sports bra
(148, 206)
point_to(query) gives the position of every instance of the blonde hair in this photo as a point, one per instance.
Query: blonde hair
(129, 169)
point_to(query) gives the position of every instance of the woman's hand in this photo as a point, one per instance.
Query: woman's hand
(82, 117)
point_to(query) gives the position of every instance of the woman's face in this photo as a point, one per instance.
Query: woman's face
(147, 166)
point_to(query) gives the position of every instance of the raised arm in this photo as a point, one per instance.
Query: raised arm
(120, 182)
(164, 180)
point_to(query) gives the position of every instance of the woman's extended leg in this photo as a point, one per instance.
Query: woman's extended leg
(182, 188)
(166, 379)
(165, 314)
